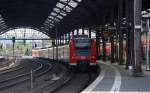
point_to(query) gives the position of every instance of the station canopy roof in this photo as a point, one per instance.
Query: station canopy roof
(49, 15)
(24, 34)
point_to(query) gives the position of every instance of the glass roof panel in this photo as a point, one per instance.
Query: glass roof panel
(68, 9)
(63, 0)
(50, 20)
(51, 17)
(54, 14)
(63, 13)
(56, 10)
(148, 9)
(60, 17)
(2, 23)
(79, 0)
(51, 24)
(60, 5)
(46, 22)
(73, 3)
(57, 20)
(61, 9)
(24, 33)
(144, 12)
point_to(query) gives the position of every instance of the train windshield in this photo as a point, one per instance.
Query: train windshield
(82, 46)
(83, 51)
(81, 43)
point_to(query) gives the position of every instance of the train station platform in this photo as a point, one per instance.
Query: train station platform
(114, 78)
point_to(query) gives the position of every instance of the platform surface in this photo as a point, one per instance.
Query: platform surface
(115, 79)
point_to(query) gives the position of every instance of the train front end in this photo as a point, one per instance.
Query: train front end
(82, 51)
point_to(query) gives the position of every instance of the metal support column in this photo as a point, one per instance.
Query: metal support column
(104, 47)
(72, 33)
(116, 46)
(63, 39)
(53, 45)
(112, 47)
(97, 44)
(82, 31)
(56, 44)
(60, 40)
(128, 63)
(13, 50)
(120, 17)
(112, 17)
(121, 48)
(147, 52)
(42, 43)
(77, 32)
(128, 18)
(89, 32)
(69, 36)
(57, 49)
(136, 37)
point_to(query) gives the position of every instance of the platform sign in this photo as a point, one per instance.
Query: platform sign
(24, 42)
(13, 39)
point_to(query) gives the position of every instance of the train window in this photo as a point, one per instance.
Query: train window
(82, 42)
(82, 51)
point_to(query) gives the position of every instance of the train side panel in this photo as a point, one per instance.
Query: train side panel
(93, 53)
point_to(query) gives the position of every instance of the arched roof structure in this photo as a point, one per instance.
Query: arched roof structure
(65, 15)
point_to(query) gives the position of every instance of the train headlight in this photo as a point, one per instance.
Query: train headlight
(73, 57)
(92, 57)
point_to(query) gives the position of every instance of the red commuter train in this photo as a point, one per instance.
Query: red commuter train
(82, 50)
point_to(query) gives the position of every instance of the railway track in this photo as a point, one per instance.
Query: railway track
(54, 82)
(7, 81)
(18, 70)
(70, 81)
(77, 83)
(49, 77)
(12, 69)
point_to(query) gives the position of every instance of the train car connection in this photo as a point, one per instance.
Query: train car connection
(82, 50)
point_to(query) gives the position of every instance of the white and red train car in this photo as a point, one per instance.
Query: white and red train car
(81, 50)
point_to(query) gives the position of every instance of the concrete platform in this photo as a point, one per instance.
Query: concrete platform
(115, 79)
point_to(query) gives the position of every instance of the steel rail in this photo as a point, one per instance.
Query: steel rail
(22, 76)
